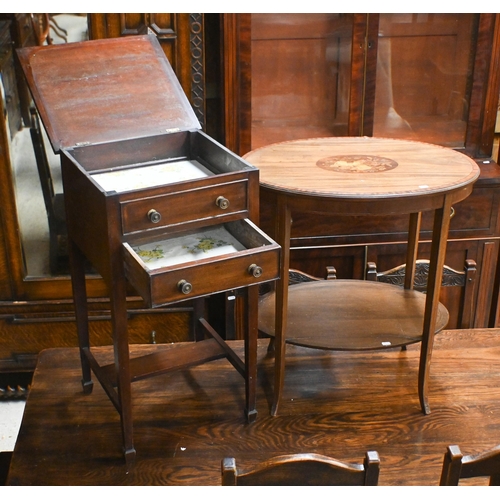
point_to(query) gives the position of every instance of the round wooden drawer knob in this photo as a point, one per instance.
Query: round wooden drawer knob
(185, 287)
(154, 216)
(255, 271)
(222, 202)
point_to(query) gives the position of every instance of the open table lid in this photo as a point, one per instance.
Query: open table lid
(106, 90)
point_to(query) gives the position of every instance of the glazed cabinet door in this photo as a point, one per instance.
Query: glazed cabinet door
(428, 77)
(36, 310)
(424, 79)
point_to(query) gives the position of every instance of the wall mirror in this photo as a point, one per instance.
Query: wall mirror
(44, 252)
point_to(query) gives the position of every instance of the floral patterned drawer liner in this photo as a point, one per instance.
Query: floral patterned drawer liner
(151, 176)
(212, 242)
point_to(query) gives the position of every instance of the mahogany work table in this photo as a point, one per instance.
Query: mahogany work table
(360, 176)
(153, 203)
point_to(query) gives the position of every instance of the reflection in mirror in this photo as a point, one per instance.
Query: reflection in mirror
(288, 102)
(424, 77)
(41, 257)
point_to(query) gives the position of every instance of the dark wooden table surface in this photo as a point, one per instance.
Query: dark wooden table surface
(335, 403)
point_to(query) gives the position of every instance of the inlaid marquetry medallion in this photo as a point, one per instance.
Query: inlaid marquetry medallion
(357, 163)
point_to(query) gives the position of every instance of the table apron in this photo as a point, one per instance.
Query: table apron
(366, 206)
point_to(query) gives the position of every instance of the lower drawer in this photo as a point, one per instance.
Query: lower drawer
(202, 262)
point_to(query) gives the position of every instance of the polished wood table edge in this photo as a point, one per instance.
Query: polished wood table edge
(362, 167)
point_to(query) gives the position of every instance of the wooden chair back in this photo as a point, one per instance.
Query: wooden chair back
(40, 24)
(304, 469)
(457, 466)
(451, 277)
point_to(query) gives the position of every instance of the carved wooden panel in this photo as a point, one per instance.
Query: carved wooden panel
(133, 24)
(197, 96)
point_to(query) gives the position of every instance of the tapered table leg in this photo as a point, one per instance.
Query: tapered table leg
(251, 335)
(77, 264)
(122, 366)
(438, 251)
(283, 226)
(412, 249)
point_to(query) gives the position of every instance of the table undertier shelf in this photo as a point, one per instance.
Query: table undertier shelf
(350, 315)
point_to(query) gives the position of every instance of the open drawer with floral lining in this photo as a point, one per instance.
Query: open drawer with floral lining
(201, 262)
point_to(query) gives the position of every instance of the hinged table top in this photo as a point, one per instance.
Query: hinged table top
(107, 90)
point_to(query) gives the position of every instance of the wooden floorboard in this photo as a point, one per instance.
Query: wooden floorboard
(335, 403)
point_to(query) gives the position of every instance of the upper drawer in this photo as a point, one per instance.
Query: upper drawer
(218, 201)
(198, 263)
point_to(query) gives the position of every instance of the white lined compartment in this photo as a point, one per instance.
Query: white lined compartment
(151, 176)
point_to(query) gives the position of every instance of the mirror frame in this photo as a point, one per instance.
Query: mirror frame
(182, 38)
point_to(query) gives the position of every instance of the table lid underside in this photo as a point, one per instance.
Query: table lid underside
(102, 91)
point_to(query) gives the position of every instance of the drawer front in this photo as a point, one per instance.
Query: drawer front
(172, 209)
(477, 215)
(214, 277)
(24, 334)
(257, 262)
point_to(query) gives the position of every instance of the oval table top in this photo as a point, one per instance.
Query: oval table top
(361, 168)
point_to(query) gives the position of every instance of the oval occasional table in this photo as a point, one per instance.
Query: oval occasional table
(360, 176)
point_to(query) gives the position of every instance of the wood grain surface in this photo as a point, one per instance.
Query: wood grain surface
(335, 403)
(101, 91)
(352, 167)
(350, 315)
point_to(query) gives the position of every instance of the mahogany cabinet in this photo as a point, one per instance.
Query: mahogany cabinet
(427, 77)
